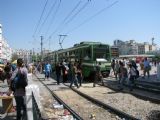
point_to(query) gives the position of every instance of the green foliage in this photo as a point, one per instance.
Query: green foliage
(14, 57)
(157, 57)
(36, 57)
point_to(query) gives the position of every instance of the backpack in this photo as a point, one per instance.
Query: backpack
(19, 81)
(134, 64)
(13, 67)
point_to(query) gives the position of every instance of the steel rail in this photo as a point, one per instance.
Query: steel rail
(105, 106)
(143, 97)
(75, 115)
(149, 81)
(154, 86)
(99, 103)
(140, 87)
(147, 87)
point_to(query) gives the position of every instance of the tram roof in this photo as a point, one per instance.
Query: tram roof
(81, 45)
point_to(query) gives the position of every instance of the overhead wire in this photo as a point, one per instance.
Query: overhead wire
(39, 21)
(85, 5)
(74, 16)
(70, 13)
(50, 11)
(60, 42)
(64, 20)
(52, 20)
(56, 11)
(90, 18)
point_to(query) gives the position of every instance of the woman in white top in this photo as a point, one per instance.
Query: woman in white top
(132, 76)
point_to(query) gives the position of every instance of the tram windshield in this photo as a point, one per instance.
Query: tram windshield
(102, 52)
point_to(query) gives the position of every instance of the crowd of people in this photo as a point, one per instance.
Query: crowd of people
(127, 71)
(70, 72)
(123, 71)
(16, 76)
(63, 71)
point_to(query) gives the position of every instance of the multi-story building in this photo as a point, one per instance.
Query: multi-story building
(146, 48)
(133, 48)
(118, 42)
(114, 52)
(126, 48)
(26, 55)
(5, 50)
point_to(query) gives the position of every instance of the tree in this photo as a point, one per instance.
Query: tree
(14, 57)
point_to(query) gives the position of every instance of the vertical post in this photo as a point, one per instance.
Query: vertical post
(61, 41)
(152, 41)
(41, 48)
(49, 43)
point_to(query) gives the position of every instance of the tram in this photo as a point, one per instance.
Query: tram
(89, 54)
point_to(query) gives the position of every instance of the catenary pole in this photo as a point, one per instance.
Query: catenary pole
(41, 48)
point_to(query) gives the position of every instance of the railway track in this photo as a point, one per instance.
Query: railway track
(146, 86)
(88, 107)
(75, 115)
(128, 103)
(149, 82)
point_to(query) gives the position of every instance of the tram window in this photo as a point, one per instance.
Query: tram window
(87, 54)
(104, 56)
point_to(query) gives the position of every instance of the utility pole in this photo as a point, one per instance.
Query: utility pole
(61, 41)
(152, 41)
(49, 43)
(41, 48)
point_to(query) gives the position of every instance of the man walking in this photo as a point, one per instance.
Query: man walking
(47, 68)
(74, 75)
(147, 67)
(19, 81)
(97, 75)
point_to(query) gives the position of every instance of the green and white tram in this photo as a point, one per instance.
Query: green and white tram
(89, 54)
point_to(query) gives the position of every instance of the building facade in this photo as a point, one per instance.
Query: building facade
(26, 55)
(131, 47)
(114, 52)
(5, 50)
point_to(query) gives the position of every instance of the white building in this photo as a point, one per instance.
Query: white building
(127, 47)
(131, 47)
(5, 50)
(26, 55)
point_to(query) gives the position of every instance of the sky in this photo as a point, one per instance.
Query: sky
(24, 21)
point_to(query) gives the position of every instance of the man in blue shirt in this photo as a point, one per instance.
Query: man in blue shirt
(47, 68)
(147, 67)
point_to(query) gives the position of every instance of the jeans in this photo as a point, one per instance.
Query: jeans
(122, 81)
(47, 74)
(75, 81)
(20, 105)
(79, 79)
(58, 78)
